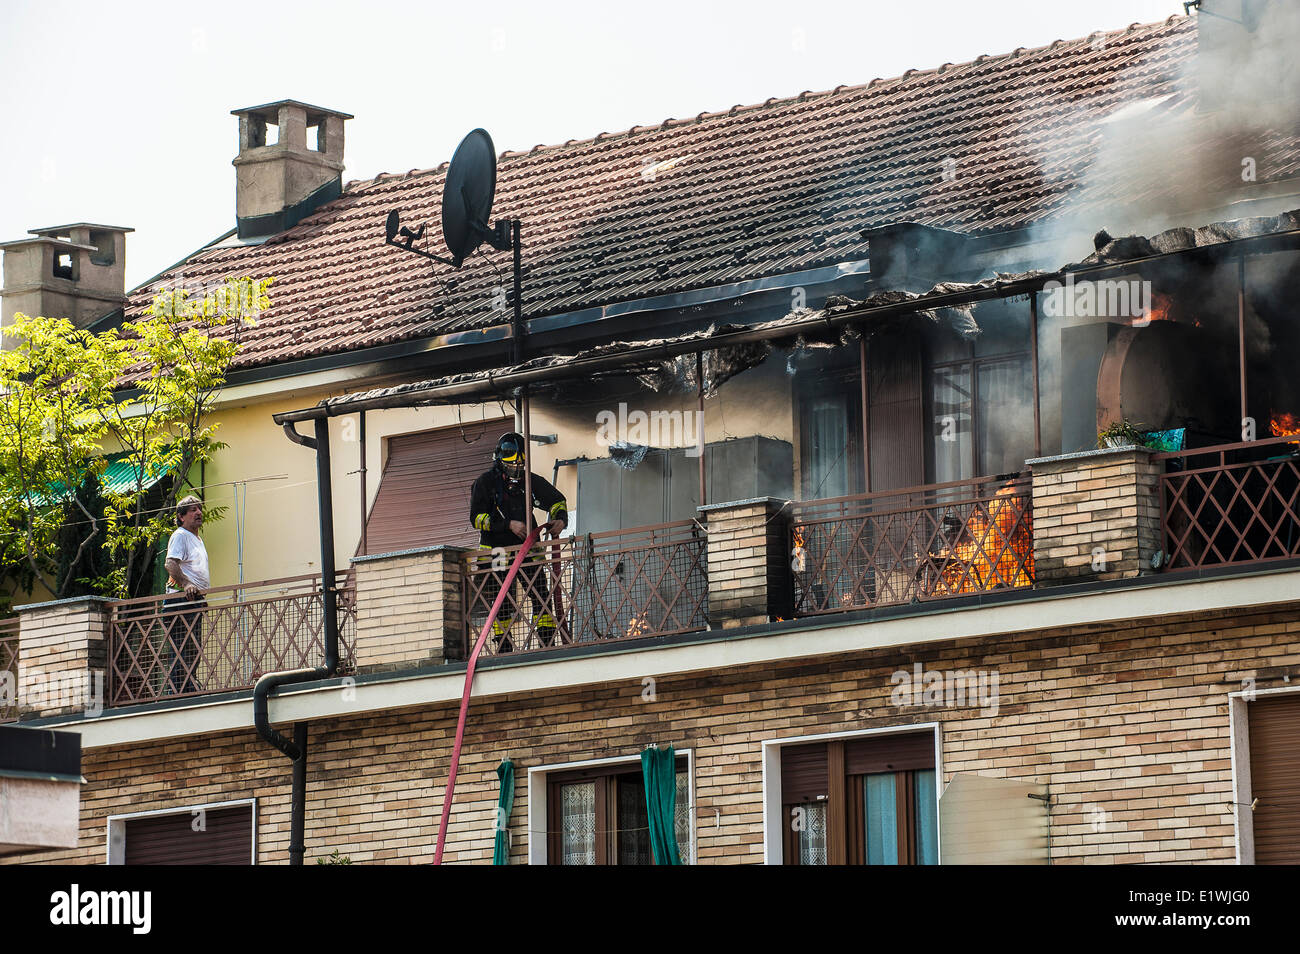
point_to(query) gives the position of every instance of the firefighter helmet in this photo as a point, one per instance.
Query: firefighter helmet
(509, 455)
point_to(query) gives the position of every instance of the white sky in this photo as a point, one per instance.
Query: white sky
(119, 112)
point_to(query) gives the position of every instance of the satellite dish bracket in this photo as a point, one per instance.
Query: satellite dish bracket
(421, 252)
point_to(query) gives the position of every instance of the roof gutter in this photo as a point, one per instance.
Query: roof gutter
(580, 367)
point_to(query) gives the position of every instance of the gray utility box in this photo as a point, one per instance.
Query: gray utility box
(665, 486)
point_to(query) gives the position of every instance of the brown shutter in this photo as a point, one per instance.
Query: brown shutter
(804, 777)
(226, 838)
(423, 496)
(889, 753)
(895, 401)
(1275, 779)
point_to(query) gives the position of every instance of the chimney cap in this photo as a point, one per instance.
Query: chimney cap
(55, 230)
(47, 240)
(271, 111)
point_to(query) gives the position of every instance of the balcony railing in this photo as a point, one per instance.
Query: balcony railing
(165, 646)
(9, 669)
(1232, 503)
(621, 584)
(904, 546)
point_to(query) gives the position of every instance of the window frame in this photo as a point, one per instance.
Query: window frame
(540, 778)
(971, 364)
(775, 840)
(1243, 824)
(841, 383)
(115, 842)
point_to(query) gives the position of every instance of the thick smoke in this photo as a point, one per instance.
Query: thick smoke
(1203, 150)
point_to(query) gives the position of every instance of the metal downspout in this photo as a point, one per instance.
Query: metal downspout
(297, 748)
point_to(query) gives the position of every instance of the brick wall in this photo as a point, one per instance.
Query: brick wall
(408, 608)
(62, 656)
(748, 571)
(1096, 515)
(1128, 720)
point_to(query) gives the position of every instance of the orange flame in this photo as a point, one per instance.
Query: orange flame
(638, 626)
(1284, 425)
(1159, 311)
(998, 535)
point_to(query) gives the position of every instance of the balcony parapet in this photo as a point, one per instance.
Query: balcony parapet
(61, 656)
(1096, 515)
(409, 608)
(749, 561)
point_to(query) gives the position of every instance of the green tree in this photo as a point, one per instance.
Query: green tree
(146, 387)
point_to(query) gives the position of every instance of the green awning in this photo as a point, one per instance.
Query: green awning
(121, 475)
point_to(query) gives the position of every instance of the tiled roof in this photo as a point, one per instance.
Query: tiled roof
(761, 190)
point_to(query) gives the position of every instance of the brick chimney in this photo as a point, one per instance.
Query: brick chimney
(290, 163)
(73, 271)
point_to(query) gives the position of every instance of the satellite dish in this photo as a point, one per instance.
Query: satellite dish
(467, 195)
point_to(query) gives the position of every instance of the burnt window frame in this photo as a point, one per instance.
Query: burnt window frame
(973, 362)
(840, 378)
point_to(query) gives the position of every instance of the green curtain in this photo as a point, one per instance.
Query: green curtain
(659, 770)
(505, 804)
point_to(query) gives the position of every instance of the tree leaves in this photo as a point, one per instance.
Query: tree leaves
(68, 396)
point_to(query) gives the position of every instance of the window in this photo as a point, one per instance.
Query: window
(830, 429)
(423, 495)
(865, 800)
(218, 834)
(980, 397)
(597, 815)
(1273, 728)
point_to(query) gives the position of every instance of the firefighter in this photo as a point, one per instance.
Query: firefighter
(497, 511)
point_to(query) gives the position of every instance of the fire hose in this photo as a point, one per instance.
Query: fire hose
(469, 680)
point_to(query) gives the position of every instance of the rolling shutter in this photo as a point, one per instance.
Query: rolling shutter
(1275, 779)
(423, 496)
(226, 838)
(889, 753)
(804, 775)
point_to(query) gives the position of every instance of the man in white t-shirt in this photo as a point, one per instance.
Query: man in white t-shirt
(187, 582)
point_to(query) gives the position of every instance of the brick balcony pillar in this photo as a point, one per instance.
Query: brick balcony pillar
(408, 608)
(61, 656)
(749, 568)
(1096, 515)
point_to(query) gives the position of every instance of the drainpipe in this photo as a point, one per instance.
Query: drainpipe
(362, 469)
(1241, 333)
(296, 749)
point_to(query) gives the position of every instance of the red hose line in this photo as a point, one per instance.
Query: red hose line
(469, 680)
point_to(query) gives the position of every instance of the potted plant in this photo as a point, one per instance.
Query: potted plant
(1122, 434)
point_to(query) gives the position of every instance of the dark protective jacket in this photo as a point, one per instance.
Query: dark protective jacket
(493, 503)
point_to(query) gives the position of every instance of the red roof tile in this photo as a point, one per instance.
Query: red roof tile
(778, 187)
